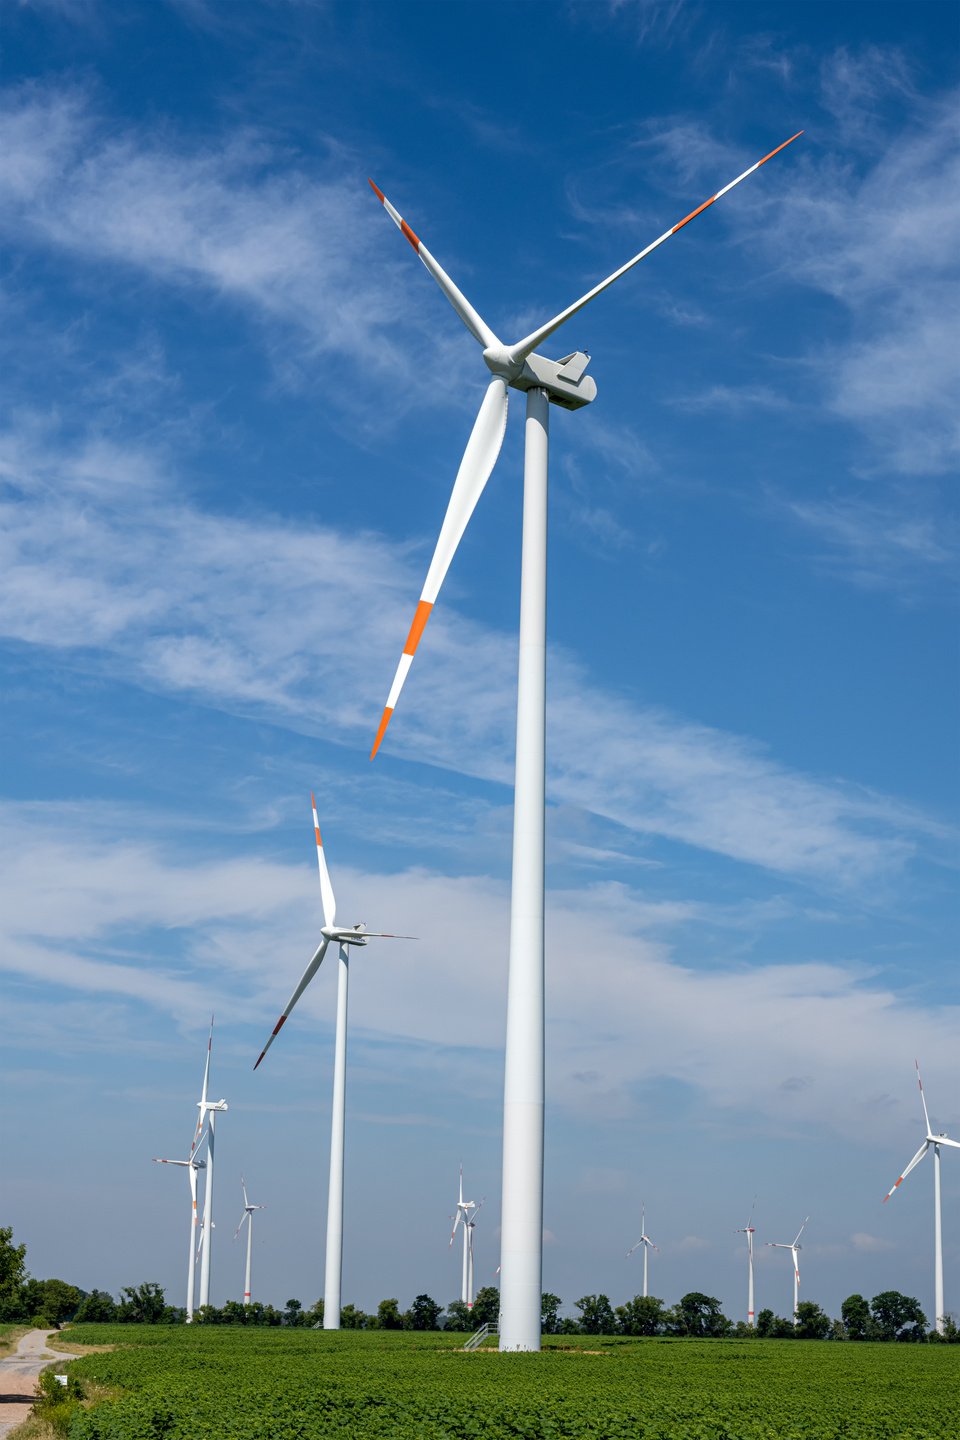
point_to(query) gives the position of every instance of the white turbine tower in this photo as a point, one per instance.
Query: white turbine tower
(561, 382)
(191, 1166)
(208, 1110)
(794, 1247)
(466, 1215)
(935, 1141)
(247, 1218)
(750, 1230)
(645, 1243)
(345, 937)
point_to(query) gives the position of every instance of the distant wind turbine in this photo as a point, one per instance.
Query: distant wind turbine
(794, 1247)
(247, 1218)
(936, 1141)
(645, 1243)
(466, 1215)
(345, 937)
(191, 1166)
(208, 1110)
(749, 1231)
(560, 382)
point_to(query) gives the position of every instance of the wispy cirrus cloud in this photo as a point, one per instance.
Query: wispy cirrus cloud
(234, 613)
(83, 905)
(284, 240)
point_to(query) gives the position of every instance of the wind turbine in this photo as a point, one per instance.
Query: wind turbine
(645, 1242)
(936, 1141)
(560, 382)
(794, 1247)
(247, 1217)
(345, 937)
(208, 1112)
(466, 1215)
(192, 1166)
(749, 1230)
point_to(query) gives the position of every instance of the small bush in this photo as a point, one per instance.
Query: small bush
(56, 1403)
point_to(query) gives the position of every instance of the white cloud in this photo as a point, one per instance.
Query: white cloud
(237, 613)
(287, 240)
(92, 914)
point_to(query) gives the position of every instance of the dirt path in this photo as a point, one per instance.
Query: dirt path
(18, 1377)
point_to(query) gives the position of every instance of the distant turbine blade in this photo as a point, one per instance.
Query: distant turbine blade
(326, 889)
(915, 1161)
(801, 1230)
(243, 1187)
(923, 1098)
(244, 1216)
(525, 347)
(201, 1113)
(478, 327)
(385, 935)
(478, 461)
(305, 979)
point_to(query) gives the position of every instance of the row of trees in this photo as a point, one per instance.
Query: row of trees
(888, 1316)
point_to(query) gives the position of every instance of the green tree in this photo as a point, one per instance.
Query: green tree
(458, 1316)
(596, 1315)
(142, 1305)
(855, 1313)
(897, 1317)
(486, 1307)
(234, 1313)
(812, 1322)
(424, 1314)
(388, 1315)
(353, 1319)
(550, 1313)
(97, 1308)
(293, 1313)
(766, 1322)
(13, 1275)
(315, 1313)
(697, 1314)
(643, 1315)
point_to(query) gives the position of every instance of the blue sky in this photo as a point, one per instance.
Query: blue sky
(235, 405)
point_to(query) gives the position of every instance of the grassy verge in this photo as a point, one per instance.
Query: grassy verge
(9, 1335)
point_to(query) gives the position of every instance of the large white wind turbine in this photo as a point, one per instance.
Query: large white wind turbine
(750, 1230)
(247, 1218)
(345, 937)
(935, 1141)
(208, 1110)
(466, 1215)
(561, 382)
(645, 1243)
(191, 1166)
(794, 1247)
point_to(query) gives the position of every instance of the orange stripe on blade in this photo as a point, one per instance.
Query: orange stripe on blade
(693, 215)
(779, 148)
(377, 191)
(385, 721)
(416, 629)
(410, 235)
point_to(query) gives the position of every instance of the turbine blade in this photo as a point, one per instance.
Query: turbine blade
(923, 1098)
(478, 461)
(326, 889)
(243, 1187)
(801, 1230)
(478, 327)
(385, 935)
(203, 1093)
(915, 1161)
(525, 347)
(943, 1140)
(244, 1216)
(305, 979)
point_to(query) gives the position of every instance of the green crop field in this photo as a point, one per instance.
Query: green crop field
(235, 1384)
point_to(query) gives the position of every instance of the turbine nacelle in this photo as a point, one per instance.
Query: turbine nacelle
(564, 380)
(351, 935)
